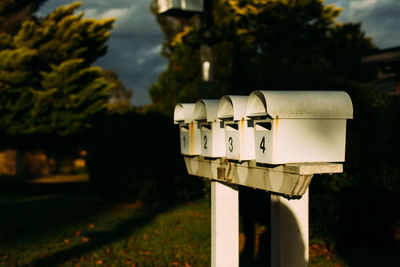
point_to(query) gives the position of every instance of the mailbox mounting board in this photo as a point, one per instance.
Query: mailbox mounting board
(288, 179)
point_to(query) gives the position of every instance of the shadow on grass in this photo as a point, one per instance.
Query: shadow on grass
(32, 218)
(99, 239)
(13, 188)
(29, 217)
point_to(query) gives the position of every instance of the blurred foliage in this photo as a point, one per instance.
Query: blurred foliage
(14, 12)
(47, 85)
(359, 207)
(265, 45)
(134, 157)
(298, 45)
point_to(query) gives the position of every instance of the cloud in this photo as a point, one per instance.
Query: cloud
(117, 13)
(362, 4)
(137, 62)
(132, 18)
(379, 18)
(383, 22)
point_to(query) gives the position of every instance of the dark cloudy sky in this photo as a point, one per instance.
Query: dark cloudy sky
(135, 42)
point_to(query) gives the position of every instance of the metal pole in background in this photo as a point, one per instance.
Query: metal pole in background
(206, 55)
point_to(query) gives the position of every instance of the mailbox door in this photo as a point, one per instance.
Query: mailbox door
(190, 139)
(218, 137)
(263, 141)
(247, 148)
(232, 140)
(185, 139)
(206, 139)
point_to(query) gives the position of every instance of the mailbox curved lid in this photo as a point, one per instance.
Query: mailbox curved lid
(206, 109)
(300, 104)
(232, 107)
(183, 112)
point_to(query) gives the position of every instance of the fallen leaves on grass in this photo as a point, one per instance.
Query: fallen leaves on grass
(134, 205)
(397, 232)
(144, 252)
(142, 246)
(197, 214)
(320, 250)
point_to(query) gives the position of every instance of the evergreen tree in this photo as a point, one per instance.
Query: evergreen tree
(46, 82)
(120, 96)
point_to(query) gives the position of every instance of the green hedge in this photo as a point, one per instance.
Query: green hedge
(136, 157)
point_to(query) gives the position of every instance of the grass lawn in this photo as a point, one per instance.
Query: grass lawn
(83, 230)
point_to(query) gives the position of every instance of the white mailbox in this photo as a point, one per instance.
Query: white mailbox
(239, 131)
(179, 6)
(188, 129)
(299, 126)
(211, 130)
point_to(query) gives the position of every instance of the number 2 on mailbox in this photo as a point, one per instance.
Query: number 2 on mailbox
(205, 141)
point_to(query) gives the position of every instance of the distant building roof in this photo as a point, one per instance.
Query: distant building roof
(384, 56)
(389, 62)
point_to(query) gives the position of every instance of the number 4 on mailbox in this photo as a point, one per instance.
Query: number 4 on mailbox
(262, 136)
(262, 144)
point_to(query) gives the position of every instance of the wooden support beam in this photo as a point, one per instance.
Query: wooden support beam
(289, 231)
(224, 225)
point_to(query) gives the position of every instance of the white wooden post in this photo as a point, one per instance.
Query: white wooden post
(289, 231)
(224, 225)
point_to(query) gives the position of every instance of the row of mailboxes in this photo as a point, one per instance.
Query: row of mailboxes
(271, 127)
